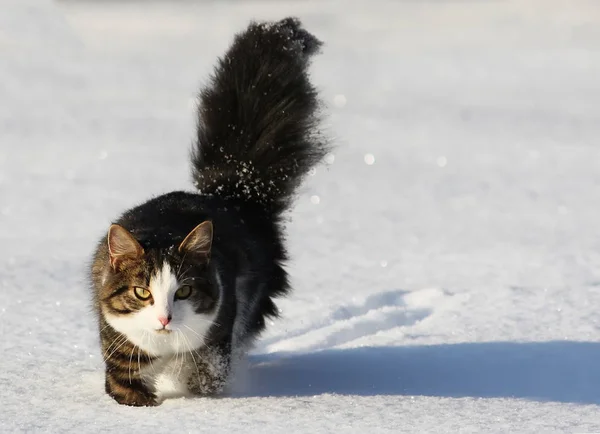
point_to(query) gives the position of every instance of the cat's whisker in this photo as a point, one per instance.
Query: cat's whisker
(182, 275)
(182, 353)
(193, 331)
(197, 350)
(147, 335)
(139, 359)
(208, 321)
(130, 357)
(116, 349)
(181, 264)
(187, 342)
(176, 354)
(118, 338)
(173, 367)
(183, 358)
(118, 341)
(105, 327)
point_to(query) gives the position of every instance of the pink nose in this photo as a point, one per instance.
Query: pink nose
(164, 320)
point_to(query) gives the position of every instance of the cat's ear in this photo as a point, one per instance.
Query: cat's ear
(199, 240)
(122, 246)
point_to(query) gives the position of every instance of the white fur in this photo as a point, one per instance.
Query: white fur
(168, 376)
(187, 328)
(105, 275)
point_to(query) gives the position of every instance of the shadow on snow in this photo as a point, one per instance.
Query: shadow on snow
(562, 371)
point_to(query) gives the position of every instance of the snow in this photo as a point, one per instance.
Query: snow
(451, 286)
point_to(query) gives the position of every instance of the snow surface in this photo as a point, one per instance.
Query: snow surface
(446, 264)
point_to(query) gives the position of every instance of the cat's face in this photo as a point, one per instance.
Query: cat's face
(164, 302)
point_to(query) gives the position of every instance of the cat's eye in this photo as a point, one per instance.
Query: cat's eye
(141, 293)
(183, 292)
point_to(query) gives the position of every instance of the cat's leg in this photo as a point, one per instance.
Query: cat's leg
(128, 392)
(123, 380)
(211, 370)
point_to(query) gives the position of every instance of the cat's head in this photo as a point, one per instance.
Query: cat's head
(164, 300)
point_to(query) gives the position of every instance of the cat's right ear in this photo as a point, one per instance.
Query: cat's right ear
(122, 246)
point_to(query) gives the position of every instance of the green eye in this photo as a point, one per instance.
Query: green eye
(183, 292)
(141, 293)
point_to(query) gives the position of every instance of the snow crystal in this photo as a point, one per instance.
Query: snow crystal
(369, 159)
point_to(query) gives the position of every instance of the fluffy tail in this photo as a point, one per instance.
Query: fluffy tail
(257, 135)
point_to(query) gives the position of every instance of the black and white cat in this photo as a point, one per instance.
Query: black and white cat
(185, 280)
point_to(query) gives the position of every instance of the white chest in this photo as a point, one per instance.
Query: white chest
(169, 376)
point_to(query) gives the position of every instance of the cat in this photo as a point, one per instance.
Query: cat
(182, 284)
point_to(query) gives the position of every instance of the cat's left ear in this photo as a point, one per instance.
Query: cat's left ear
(199, 240)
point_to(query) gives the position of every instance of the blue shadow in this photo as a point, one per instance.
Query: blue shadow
(561, 371)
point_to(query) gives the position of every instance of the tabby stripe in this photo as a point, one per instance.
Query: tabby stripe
(117, 292)
(125, 353)
(122, 350)
(126, 394)
(120, 389)
(119, 311)
(117, 366)
(125, 383)
(118, 396)
(127, 359)
(121, 378)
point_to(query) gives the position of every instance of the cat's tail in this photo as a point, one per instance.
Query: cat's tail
(257, 123)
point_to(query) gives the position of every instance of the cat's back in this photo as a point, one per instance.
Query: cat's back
(165, 219)
(241, 233)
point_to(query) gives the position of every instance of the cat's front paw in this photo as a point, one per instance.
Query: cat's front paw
(206, 383)
(132, 393)
(210, 375)
(136, 398)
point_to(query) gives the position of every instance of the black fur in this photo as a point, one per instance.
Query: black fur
(256, 140)
(256, 130)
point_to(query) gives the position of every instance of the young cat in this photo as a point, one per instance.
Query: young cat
(185, 280)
